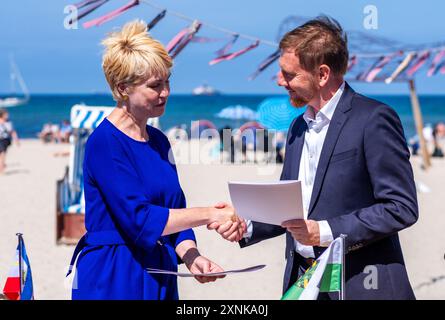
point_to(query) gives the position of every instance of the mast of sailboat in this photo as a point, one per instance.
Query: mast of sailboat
(15, 73)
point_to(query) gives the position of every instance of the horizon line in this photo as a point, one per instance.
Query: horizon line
(3, 94)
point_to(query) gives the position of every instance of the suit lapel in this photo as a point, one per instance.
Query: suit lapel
(336, 125)
(296, 141)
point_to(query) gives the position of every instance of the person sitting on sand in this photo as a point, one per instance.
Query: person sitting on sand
(46, 134)
(65, 132)
(136, 216)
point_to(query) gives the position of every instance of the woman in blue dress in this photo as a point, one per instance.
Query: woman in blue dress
(135, 208)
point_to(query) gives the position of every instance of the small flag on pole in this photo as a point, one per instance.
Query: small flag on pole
(325, 275)
(18, 285)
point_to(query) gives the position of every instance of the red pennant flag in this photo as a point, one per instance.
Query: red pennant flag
(418, 63)
(227, 47)
(435, 65)
(180, 41)
(111, 15)
(94, 5)
(380, 65)
(233, 55)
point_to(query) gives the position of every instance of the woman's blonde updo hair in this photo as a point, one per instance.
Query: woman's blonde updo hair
(131, 56)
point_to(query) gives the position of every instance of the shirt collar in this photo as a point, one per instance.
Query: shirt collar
(328, 109)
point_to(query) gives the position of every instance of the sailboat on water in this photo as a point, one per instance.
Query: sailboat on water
(15, 100)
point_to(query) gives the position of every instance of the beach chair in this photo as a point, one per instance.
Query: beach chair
(70, 199)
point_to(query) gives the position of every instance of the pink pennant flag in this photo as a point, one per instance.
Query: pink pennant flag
(227, 46)
(233, 55)
(93, 5)
(362, 75)
(435, 65)
(442, 69)
(401, 67)
(176, 39)
(204, 39)
(85, 3)
(185, 41)
(380, 65)
(418, 63)
(111, 15)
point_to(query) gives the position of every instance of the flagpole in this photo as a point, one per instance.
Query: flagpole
(342, 288)
(20, 239)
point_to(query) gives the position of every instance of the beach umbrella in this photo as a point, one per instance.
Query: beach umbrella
(248, 132)
(199, 126)
(237, 112)
(277, 113)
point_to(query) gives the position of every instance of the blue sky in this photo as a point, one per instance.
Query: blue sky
(53, 59)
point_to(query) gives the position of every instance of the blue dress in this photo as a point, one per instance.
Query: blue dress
(129, 188)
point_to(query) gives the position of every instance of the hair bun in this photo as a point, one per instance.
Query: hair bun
(128, 38)
(131, 56)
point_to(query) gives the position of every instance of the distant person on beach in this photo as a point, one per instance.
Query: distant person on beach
(136, 216)
(439, 140)
(352, 159)
(7, 136)
(46, 134)
(55, 133)
(65, 131)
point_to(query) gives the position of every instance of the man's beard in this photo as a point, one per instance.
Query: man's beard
(298, 102)
(301, 100)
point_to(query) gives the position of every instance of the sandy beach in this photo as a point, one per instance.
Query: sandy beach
(28, 193)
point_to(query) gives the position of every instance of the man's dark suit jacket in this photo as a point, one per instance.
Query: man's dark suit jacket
(364, 188)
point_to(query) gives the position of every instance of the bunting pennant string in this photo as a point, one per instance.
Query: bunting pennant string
(156, 19)
(415, 57)
(185, 39)
(265, 63)
(111, 15)
(210, 26)
(436, 64)
(380, 65)
(362, 75)
(176, 40)
(204, 39)
(401, 67)
(418, 63)
(228, 46)
(442, 69)
(84, 3)
(94, 5)
(233, 55)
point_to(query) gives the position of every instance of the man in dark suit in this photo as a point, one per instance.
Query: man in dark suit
(350, 154)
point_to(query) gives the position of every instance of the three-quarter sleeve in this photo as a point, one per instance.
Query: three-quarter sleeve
(177, 238)
(110, 170)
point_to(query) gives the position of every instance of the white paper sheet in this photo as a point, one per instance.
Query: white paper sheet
(211, 274)
(271, 203)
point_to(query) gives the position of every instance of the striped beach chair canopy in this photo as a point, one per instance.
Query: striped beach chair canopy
(88, 117)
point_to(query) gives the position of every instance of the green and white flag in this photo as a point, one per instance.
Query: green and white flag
(323, 276)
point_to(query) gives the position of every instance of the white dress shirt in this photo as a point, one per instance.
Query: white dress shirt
(314, 137)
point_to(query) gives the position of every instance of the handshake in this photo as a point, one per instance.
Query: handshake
(225, 221)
